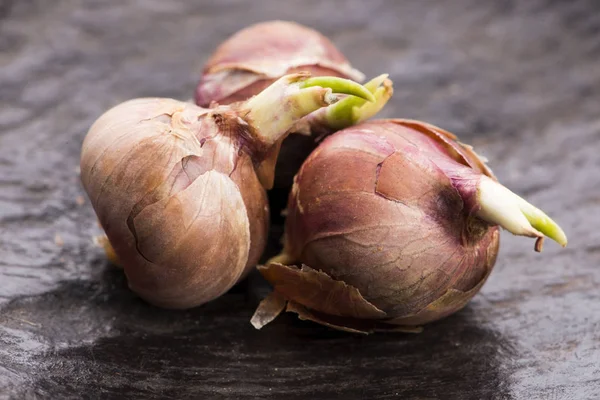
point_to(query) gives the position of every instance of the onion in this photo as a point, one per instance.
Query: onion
(179, 189)
(392, 224)
(256, 56)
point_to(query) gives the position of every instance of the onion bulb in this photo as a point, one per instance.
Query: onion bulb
(392, 224)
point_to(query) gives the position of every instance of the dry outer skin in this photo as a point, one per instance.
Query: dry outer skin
(257, 47)
(316, 290)
(315, 296)
(518, 80)
(254, 57)
(417, 241)
(163, 178)
(363, 326)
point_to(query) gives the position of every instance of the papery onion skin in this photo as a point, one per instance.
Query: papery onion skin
(387, 210)
(256, 56)
(170, 191)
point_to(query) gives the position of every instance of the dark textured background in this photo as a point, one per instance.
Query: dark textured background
(518, 79)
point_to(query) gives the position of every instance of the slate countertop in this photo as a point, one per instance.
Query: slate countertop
(518, 80)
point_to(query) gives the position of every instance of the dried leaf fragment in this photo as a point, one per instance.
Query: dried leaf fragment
(268, 309)
(318, 291)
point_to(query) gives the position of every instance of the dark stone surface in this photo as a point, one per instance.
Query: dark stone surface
(519, 80)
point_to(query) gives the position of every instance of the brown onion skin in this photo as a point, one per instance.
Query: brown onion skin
(176, 193)
(255, 57)
(387, 207)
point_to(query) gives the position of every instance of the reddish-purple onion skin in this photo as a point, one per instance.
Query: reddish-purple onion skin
(387, 207)
(256, 56)
(244, 84)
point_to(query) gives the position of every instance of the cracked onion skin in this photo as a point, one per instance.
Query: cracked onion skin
(180, 190)
(153, 186)
(391, 225)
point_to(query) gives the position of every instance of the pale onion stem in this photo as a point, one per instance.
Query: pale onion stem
(352, 110)
(340, 85)
(498, 205)
(276, 109)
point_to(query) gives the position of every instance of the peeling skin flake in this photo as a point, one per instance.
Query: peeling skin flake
(268, 309)
(319, 291)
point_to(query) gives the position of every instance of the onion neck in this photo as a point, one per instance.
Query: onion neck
(353, 110)
(274, 111)
(348, 111)
(499, 206)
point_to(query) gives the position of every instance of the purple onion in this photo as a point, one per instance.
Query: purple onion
(392, 224)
